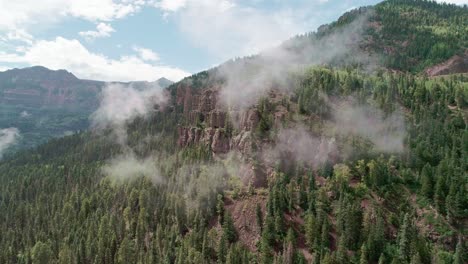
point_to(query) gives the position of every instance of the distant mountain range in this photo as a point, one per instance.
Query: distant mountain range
(44, 103)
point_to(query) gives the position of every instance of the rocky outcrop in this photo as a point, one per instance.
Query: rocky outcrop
(207, 121)
(248, 120)
(226, 133)
(200, 101)
(220, 142)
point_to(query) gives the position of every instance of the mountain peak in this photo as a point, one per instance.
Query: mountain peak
(39, 73)
(164, 82)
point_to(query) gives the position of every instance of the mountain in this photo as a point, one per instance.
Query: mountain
(348, 155)
(163, 82)
(400, 35)
(42, 103)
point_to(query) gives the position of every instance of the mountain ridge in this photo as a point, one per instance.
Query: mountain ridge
(44, 103)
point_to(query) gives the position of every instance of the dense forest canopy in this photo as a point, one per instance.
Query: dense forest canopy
(331, 164)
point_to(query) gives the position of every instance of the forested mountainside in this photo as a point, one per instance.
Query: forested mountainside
(43, 104)
(254, 162)
(403, 35)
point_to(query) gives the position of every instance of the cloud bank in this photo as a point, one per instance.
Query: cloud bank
(70, 54)
(227, 28)
(249, 79)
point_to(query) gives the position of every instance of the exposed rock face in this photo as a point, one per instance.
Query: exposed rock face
(216, 119)
(220, 142)
(208, 123)
(248, 120)
(201, 106)
(456, 64)
(201, 101)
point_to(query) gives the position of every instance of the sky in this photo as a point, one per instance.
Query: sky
(129, 40)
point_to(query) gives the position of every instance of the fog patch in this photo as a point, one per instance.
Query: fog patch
(8, 137)
(128, 167)
(298, 144)
(119, 106)
(247, 80)
(386, 131)
(200, 184)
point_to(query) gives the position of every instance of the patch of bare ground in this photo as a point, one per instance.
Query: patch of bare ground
(243, 211)
(456, 64)
(421, 222)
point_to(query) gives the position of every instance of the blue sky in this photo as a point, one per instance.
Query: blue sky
(124, 40)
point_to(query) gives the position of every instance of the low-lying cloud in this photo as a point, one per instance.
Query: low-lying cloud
(249, 79)
(299, 145)
(8, 137)
(120, 104)
(128, 167)
(386, 132)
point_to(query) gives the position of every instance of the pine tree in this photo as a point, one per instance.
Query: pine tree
(310, 230)
(404, 239)
(259, 217)
(220, 208)
(381, 259)
(324, 237)
(42, 253)
(458, 258)
(427, 185)
(222, 248)
(416, 259)
(363, 258)
(229, 229)
(341, 252)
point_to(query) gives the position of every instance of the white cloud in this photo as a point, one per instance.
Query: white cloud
(70, 54)
(122, 103)
(22, 14)
(146, 54)
(102, 30)
(457, 2)
(19, 35)
(227, 28)
(171, 5)
(128, 167)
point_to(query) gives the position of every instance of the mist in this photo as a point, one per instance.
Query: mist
(386, 132)
(119, 106)
(249, 79)
(8, 137)
(300, 145)
(128, 167)
(200, 184)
